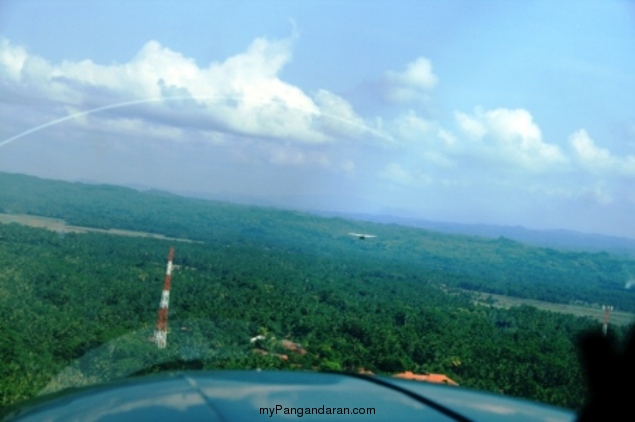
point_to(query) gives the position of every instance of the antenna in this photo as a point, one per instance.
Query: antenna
(161, 333)
(607, 313)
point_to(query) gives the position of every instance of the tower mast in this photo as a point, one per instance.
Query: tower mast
(607, 313)
(161, 333)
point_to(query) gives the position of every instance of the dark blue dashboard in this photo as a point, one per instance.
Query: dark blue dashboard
(277, 395)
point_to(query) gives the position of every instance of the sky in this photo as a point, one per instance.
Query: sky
(492, 112)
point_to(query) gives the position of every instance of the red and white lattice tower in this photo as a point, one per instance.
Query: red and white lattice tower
(161, 333)
(607, 313)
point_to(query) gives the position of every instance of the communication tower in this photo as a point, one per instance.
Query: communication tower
(161, 333)
(607, 313)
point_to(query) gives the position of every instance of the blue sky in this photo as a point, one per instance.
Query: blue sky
(496, 112)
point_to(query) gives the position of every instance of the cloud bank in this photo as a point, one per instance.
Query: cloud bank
(242, 95)
(248, 120)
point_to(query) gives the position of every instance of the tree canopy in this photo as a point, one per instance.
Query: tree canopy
(388, 305)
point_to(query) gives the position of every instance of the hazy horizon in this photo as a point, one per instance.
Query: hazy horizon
(385, 216)
(473, 113)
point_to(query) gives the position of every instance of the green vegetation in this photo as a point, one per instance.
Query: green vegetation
(387, 305)
(499, 266)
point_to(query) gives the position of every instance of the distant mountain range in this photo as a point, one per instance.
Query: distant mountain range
(556, 239)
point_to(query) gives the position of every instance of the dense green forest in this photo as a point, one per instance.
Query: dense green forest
(387, 305)
(499, 266)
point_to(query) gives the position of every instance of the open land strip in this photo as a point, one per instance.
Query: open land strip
(592, 311)
(60, 226)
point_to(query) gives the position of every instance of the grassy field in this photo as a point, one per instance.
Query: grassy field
(60, 226)
(595, 312)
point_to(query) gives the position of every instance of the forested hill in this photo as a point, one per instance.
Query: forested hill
(387, 304)
(557, 239)
(497, 266)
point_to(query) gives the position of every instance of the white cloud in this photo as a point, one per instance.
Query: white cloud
(597, 159)
(337, 117)
(424, 139)
(509, 135)
(241, 95)
(471, 126)
(12, 59)
(411, 84)
(412, 127)
(418, 74)
(587, 152)
(515, 126)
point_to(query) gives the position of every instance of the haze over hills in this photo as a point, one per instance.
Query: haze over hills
(554, 238)
(557, 239)
(496, 265)
(324, 206)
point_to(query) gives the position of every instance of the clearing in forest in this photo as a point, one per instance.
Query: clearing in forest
(60, 226)
(591, 311)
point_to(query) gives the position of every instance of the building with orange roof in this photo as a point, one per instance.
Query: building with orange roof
(294, 347)
(435, 378)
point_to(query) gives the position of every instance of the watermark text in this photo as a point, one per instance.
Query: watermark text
(323, 410)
